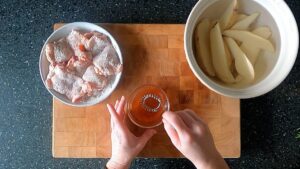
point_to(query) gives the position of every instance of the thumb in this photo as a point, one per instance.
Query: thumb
(147, 135)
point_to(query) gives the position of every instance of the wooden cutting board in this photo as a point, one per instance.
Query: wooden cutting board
(153, 54)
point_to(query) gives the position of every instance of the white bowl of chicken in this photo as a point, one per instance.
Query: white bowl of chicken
(81, 64)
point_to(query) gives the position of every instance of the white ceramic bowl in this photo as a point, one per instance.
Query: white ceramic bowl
(63, 32)
(271, 69)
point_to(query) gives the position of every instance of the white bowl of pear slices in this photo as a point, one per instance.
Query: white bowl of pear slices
(241, 48)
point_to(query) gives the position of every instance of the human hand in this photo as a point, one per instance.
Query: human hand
(125, 145)
(191, 136)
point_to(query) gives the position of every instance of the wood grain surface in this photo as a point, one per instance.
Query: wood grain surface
(153, 54)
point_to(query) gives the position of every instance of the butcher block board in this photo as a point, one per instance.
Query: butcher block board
(153, 54)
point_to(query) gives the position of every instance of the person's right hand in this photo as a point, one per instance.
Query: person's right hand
(191, 136)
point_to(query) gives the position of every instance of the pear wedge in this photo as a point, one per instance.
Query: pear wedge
(263, 32)
(251, 39)
(245, 23)
(203, 47)
(227, 15)
(242, 63)
(219, 58)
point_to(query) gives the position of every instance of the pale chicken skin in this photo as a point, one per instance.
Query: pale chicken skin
(91, 76)
(97, 42)
(66, 83)
(80, 65)
(58, 52)
(107, 62)
(78, 43)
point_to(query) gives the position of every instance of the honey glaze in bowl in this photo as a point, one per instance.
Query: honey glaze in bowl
(146, 106)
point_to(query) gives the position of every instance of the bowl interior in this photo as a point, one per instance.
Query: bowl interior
(266, 61)
(63, 32)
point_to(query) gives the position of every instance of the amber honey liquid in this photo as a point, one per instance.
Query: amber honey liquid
(146, 106)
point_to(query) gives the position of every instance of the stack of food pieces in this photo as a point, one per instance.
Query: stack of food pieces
(228, 48)
(81, 65)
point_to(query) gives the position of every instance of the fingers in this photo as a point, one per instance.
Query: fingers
(176, 122)
(114, 115)
(187, 118)
(195, 117)
(147, 135)
(171, 133)
(120, 108)
(116, 104)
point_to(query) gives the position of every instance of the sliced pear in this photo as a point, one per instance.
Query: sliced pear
(263, 32)
(219, 58)
(242, 63)
(246, 22)
(203, 47)
(251, 39)
(227, 15)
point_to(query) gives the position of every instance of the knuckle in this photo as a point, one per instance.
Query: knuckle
(174, 118)
(188, 110)
(188, 138)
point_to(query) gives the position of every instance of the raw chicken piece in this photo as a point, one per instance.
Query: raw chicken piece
(58, 52)
(78, 43)
(88, 35)
(107, 62)
(97, 42)
(65, 83)
(97, 81)
(78, 66)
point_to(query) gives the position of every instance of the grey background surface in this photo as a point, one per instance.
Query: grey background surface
(268, 123)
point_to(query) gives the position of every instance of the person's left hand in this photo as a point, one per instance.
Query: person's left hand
(125, 145)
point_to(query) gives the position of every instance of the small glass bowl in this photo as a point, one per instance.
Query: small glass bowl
(146, 105)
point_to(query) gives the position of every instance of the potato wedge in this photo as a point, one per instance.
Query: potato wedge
(235, 18)
(203, 47)
(240, 17)
(227, 15)
(251, 39)
(251, 52)
(246, 22)
(228, 56)
(242, 64)
(263, 32)
(219, 58)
